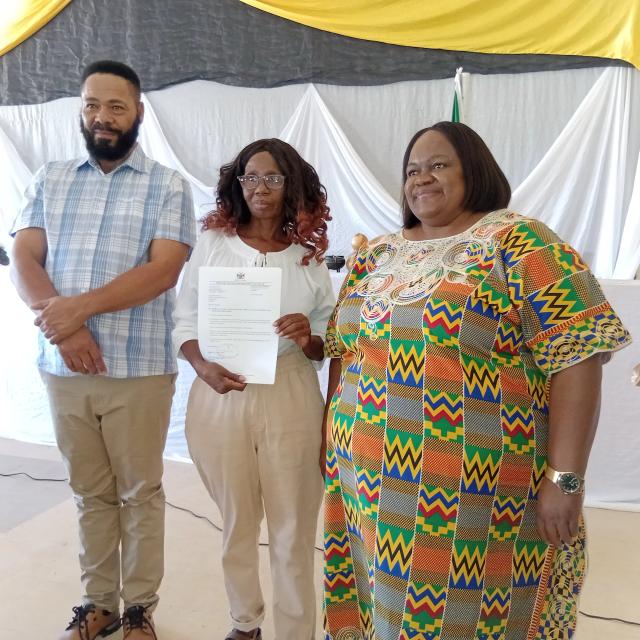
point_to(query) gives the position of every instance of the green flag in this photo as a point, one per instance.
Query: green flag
(457, 110)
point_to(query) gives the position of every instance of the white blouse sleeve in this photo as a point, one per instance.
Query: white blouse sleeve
(185, 316)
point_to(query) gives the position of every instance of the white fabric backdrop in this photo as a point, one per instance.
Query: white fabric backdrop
(566, 138)
(582, 186)
(569, 134)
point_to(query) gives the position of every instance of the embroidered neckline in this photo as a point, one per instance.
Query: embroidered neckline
(401, 271)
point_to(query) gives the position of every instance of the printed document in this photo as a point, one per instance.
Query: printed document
(236, 311)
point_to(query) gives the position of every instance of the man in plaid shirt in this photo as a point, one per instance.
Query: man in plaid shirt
(99, 245)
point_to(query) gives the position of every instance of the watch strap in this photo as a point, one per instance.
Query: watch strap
(555, 476)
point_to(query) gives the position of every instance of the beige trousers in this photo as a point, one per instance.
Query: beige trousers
(257, 453)
(111, 433)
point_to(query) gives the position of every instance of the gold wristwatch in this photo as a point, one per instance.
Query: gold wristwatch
(568, 481)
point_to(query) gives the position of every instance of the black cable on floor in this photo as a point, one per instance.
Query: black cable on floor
(214, 525)
(590, 615)
(173, 506)
(265, 544)
(195, 515)
(24, 473)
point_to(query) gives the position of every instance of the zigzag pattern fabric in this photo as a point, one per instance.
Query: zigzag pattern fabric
(438, 434)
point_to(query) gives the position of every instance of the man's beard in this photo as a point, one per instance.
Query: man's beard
(105, 149)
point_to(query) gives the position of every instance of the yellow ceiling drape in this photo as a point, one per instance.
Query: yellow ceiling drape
(603, 28)
(20, 19)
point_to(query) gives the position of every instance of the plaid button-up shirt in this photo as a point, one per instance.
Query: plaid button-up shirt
(98, 226)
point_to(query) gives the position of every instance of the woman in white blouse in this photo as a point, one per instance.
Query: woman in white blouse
(257, 447)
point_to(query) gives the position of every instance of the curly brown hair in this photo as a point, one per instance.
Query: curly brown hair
(305, 210)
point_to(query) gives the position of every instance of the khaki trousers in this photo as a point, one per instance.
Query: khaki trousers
(111, 433)
(257, 453)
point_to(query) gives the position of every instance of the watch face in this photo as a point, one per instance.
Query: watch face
(569, 482)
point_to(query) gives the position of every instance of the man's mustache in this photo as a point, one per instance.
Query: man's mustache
(102, 127)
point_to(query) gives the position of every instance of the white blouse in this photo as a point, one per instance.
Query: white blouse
(305, 289)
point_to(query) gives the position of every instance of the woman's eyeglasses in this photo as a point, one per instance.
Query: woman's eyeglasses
(272, 182)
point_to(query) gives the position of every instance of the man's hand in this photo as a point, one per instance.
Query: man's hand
(296, 327)
(558, 514)
(81, 353)
(59, 317)
(219, 379)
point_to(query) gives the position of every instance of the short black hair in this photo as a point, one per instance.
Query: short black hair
(486, 188)
(113, 68)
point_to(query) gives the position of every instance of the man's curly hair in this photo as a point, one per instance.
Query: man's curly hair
(305, 210)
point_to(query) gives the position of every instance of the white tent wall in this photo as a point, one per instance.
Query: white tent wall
(205, 123)
(582, 187)
(567, 139)
(362, 131)
(518, 115)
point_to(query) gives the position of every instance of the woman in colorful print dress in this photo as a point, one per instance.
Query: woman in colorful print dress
(463, 400)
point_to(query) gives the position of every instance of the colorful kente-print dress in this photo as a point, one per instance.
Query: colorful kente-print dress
(438, 434)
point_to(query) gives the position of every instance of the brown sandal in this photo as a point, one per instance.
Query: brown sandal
(236, 634)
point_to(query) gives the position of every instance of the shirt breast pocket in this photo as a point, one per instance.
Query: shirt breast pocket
(140, 228)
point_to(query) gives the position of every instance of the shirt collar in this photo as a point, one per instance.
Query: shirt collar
(137, 161)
